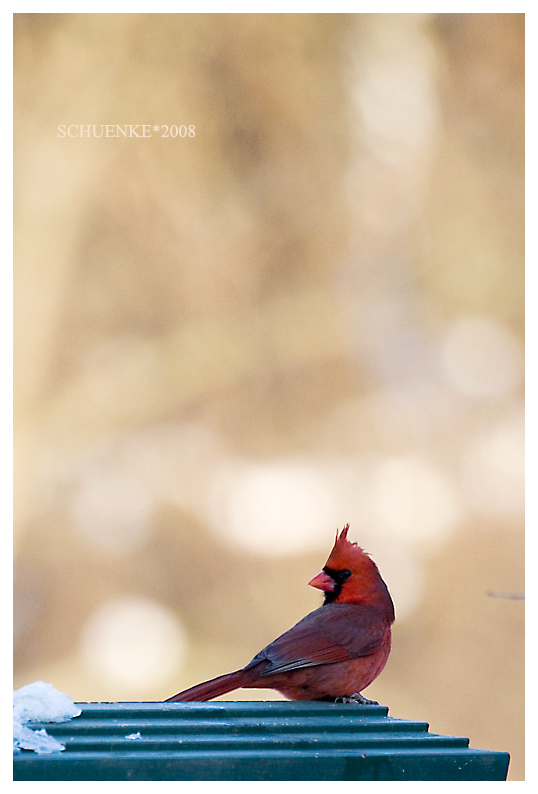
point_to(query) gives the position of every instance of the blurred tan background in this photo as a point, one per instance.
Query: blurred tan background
(228, 345)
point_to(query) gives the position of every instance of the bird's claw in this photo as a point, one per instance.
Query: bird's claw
(357, 698)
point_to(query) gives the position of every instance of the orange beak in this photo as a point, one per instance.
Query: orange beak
(323, 582)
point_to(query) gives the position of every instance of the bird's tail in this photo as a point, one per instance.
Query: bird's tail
(212, 689)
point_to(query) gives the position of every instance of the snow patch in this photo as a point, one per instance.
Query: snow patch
(39, 702)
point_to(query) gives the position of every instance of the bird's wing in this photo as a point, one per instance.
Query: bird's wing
(332, 633)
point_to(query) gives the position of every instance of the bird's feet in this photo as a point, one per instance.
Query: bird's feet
(357, 698)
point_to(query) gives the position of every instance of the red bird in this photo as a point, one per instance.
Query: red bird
(334, 652)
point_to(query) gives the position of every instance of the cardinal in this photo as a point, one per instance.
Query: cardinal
(334, 652)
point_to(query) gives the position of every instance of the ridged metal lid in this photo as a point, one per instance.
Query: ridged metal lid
(261, 740)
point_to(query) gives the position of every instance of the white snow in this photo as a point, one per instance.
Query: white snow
(38, 741)
(39, 702)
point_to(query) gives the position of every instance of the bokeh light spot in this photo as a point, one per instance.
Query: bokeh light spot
(133, 642)
(493, 469)
(413, 501)
(482, 358)
(281, 507)
(112, 508)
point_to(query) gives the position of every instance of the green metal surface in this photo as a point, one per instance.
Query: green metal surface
(271, 740)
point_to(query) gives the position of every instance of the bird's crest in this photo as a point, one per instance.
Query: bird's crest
(345, 553)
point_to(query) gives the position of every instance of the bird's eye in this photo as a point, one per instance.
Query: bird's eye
(345, 574)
